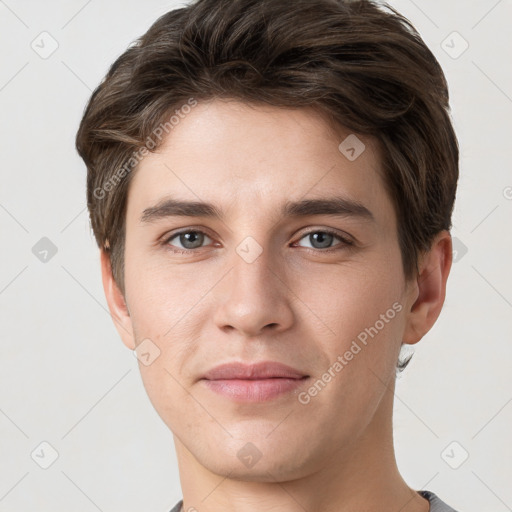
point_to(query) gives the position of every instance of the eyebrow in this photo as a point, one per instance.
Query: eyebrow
(336, 206)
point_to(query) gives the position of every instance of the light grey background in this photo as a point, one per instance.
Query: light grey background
(67, 379)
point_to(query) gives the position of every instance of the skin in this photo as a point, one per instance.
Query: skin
(295, 304)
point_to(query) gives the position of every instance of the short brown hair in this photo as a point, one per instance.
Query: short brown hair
(362, 65)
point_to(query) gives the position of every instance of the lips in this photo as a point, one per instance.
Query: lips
(261, 370)
(259, 382)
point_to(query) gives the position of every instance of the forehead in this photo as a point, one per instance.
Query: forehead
(241, 156)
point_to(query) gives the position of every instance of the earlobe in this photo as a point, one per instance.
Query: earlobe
(116, 302)
(431, 289)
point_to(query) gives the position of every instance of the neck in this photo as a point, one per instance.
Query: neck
(360, 476)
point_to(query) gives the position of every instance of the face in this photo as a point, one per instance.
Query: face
(318, 289)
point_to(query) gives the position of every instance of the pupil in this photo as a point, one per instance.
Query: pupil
(321, 240)
(190, 237)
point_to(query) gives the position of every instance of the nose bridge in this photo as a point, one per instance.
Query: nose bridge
(253, 294)
(253, 281)
(253, 256)
(253, 268)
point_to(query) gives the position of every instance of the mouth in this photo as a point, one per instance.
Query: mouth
(254, 390)
(258, 382)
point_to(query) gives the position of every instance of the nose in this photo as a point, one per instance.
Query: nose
(253, 298)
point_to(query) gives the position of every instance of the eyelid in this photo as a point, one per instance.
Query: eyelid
(164, 240)
(345, 239)
(345, 242)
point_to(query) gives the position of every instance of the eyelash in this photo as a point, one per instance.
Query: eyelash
(344, 241)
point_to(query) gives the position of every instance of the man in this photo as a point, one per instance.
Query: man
(271, 185)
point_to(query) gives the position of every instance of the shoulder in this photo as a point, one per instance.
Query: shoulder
(436, 504)
(177, 507)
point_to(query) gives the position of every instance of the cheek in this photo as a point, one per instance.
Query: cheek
(165, 308)
(362, 319)
(364, 313)
(161, 294)
(351, 297)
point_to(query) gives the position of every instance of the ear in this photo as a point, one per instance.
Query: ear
(116, 303)
(429, 289)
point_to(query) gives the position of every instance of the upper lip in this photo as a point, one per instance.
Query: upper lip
(261, 370)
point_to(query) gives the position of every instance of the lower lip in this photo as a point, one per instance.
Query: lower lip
(259, 390)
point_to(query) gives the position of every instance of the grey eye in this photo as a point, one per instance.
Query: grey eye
(320, 239)
(189, 239)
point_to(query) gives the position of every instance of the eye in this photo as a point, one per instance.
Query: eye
(322, 240)
(189, 240)
(192, 239)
